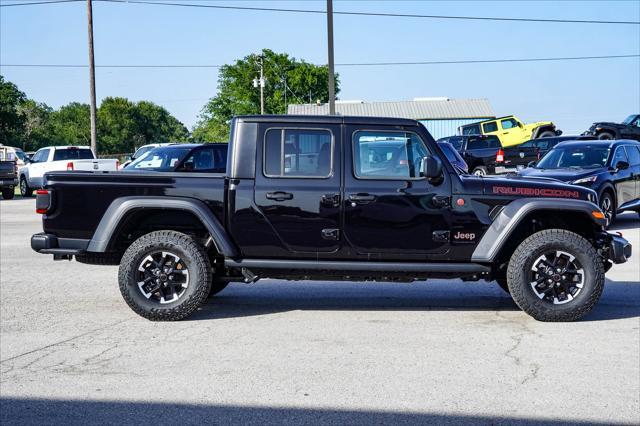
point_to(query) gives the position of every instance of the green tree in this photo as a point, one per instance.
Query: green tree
(287, 81)
(70, 125)
(157, 125)
(36, 126)
(11, 121)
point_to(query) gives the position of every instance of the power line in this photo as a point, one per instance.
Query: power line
(35, 3)
(347, 13)
(350, 64)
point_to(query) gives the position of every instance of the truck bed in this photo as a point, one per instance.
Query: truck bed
(81, 198)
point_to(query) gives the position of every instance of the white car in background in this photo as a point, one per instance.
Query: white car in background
(60, 158)
(143, 150)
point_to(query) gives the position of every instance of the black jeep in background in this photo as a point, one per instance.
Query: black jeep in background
(628, 129)
(330, 198)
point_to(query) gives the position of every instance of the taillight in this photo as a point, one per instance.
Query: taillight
(500, 156)
(70, 166)
(43, 201)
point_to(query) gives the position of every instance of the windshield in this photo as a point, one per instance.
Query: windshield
(141, 151)
(456, 141)
(72, 154)
(163, 159)
(629, 119)
(582, 157)
(20, 154)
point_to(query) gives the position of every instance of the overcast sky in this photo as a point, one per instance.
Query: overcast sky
(571, 93)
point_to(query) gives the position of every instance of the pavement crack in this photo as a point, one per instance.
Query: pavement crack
(61, 342)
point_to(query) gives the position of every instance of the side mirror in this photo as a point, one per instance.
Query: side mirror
(431, 167)
(622, 165)
(532, 163)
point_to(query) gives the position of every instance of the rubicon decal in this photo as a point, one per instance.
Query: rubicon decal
(535, 192)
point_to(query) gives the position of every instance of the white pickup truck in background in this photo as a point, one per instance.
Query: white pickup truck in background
(58, 158)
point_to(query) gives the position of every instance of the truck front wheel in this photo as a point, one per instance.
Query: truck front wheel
(555, 275)
(25, 190)
(165, 276)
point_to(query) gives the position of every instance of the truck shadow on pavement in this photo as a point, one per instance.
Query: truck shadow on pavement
(16, 411)
(620, 300)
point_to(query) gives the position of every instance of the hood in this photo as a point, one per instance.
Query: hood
(522, 187)
(564, 175)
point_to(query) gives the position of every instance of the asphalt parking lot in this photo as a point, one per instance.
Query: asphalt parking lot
(274, 352)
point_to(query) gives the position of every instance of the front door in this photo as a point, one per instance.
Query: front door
(512, 133)
(391, 212)
(624, 178)
(298, 189)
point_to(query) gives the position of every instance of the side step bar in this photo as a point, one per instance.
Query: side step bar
(357, 266)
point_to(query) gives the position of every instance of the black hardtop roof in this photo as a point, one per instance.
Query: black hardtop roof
(601, 143)
(326, 119)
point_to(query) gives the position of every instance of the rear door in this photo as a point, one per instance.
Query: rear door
(633, 153)
(391, 212)
(298, 189)
(624, 180)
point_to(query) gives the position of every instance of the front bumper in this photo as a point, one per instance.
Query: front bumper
(59, 247)
(619, 249)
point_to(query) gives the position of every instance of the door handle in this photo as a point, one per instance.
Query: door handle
(362, 198)
(279, 196)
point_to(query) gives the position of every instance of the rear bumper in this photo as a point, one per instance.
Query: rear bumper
(50, 244)
(619, 249)
(8, 182)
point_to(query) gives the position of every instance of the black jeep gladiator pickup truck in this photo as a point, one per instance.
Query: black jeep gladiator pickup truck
(330, 198)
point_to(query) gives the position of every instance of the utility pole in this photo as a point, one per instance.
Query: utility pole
(259, 82)
(92, 81)
(332, 87)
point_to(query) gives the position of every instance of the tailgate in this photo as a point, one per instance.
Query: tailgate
(95, 165)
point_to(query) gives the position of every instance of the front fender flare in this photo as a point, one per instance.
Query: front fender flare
(513, 214)
(121, 207)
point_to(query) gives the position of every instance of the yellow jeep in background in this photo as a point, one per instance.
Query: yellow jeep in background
(510, 130)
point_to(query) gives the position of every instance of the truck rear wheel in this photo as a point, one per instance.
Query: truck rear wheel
(480, 171)
(547, 134)
(555, 275)
(165, 276)
(8, 193)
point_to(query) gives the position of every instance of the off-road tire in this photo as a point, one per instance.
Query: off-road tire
(196, 260)
(99, 258)
(605, 136)
(217, 285)
(547, 134)
(25, 190)
(8, 193)
(521, 263)
(480, 171)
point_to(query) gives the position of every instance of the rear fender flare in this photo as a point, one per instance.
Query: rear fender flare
(121, 207)
(513, 214)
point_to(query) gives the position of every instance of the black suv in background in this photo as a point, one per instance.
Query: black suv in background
(611, 168)
(628, 129)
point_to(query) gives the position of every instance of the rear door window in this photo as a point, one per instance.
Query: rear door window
(298, 153)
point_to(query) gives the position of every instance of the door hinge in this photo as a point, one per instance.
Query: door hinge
(441, 236)
(330, 234)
